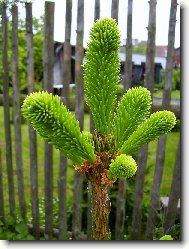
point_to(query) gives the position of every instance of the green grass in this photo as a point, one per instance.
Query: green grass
(174, 94)
(171, 147)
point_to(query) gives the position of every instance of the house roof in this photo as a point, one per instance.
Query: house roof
(140, 58)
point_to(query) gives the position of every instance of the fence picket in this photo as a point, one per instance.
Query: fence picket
(32, 133)
(79, 110)
(48, 60)
(155, 193)
(174, 194)
(139, 188)
(17, 112)
(6, 105)
(2, 212)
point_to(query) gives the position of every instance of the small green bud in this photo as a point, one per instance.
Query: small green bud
(122, 167)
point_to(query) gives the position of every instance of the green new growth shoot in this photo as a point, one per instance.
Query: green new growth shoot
(121, 128)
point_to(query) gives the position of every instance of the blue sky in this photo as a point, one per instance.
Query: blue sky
(140, 18)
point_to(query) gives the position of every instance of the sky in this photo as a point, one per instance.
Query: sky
(140, 19)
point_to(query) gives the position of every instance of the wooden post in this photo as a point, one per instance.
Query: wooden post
(7, 111)
(97, 10)
(17, 113)
(32, 133)
(2, 212)
(62, 182)
(48, 61)
(170, 54)
(79, 109)
(162, 141)
(150, 51)
(155, 193)
(115, 9)
(174, 194)
(120, 210)
(139, 188)
(128, 52)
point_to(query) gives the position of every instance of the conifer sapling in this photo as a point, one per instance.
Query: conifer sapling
(121, 128)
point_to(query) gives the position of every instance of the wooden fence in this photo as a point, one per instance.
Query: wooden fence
(12, 169)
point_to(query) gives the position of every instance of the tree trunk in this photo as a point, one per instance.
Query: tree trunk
(170, 54)
(128, 61)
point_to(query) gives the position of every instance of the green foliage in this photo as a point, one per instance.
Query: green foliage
(58, 126)
(166, 237)
(101, 72)
(132, 111)
(176, 79)
(122, 167)
(14, 230)
(158, 124)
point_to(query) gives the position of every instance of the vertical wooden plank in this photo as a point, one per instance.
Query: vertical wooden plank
(2, 212)
(32, 133)
(174, 194)
(120, 210)
(149, 83)
(17, 113)
(48, 60)
(162, 141)
(150, 51)
(139, 188)
(62, 182)
(115, 9)
(155, 193)
(97, 10)
(170, 54)
(7, 111)
(128, 52)
(79, 109)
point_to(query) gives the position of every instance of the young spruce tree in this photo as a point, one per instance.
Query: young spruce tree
(121, 128)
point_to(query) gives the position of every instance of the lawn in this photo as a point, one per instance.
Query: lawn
(174, 94)
(171, 147)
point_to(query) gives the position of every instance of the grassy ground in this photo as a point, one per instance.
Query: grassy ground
(172, 141)
(174, 94)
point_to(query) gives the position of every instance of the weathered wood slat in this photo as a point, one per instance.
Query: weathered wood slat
(62, 182)
(17, 111)
(150, 50)
(2, 212)
(32, 133)
(128, 63)
(155, 193)
(170, 54)
(79, 110)
(120, 210)
(175, 193)
(6, 105)
(115, 9)
(97, 10)
(48, 61)
(139, 188)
